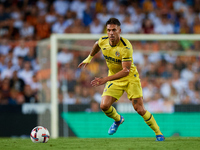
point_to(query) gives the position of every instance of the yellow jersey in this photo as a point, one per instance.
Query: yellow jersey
(115, 55)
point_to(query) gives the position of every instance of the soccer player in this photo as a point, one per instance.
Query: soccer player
(122, 76)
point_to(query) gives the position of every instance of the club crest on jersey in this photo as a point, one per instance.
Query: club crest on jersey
(117, 53)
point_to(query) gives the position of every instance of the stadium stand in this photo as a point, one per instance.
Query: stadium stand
(166, 79)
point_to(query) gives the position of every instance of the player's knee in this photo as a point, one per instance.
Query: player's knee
(140, 111)
(104, 107)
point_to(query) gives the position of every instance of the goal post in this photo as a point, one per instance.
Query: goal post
(54, 49)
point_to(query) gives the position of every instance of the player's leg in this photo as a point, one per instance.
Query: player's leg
(134, 92)
(108, 109)
(110, 95)
(148, 117)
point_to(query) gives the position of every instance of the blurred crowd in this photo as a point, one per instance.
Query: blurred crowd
(37, 19)
(167, 79)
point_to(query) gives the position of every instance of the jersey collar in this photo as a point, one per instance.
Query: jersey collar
(116, 44)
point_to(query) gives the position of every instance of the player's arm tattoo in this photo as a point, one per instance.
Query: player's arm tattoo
(95, 49)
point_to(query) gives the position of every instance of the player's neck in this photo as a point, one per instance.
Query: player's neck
(114, 43)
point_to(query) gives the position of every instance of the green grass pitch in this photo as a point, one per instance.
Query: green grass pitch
(173, 143)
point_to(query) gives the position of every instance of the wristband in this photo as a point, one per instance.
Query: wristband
(88, 59)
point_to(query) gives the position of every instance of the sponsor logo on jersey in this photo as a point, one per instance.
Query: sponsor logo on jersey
(112, 59)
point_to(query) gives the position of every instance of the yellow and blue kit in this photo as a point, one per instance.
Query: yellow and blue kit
(114, 56)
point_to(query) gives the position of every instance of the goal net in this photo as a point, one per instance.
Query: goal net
(169, 70)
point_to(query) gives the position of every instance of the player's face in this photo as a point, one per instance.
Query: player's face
(113, 32)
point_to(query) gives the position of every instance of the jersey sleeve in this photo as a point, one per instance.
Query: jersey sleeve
(127, 53)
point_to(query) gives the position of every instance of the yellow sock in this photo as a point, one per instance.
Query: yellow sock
(151, 122)
(112, 113)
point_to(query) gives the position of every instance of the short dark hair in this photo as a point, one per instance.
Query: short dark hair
(113, 21)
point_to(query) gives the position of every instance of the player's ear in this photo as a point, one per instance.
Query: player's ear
(120, 30)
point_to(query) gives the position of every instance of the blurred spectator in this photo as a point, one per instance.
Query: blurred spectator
(148, 5)
(179, 64)
(96, 27)
(138, 58)
(99, 6)
(131, 8)
(168, 72)
(42, 28)
(32, 16)
(103, 16)
(121, 14)
(177, 82)
(138, 16)
(64, 56)
(184, 28)
(155, 17)
(149, 92)
(77, 92)
(29, 96)
(190, 16)
(21, 50)
(113, 6)
(61, 6)
(31, 56)
(164, 27)
(95, 95)
(128, 26)
(152, 72)
(197, 81)
(35, 84)
(78, 6)
(5, 22)
(42, 6)
(19, 64)
(85, 98)
(27, 73)
(196, 27)
(70, 98)
(180, 5)
(3, 15)
(27, 31)
(8, 71)
(156, 104)
(60, 25)
(35, 64)
(16, 82)
(94, 107)
(88, 14)
(71, 80)
(154, 57)
(50, 16)
(2, 63)
(174, 96)
(4, 47)
(13, 97)
(5, 89)
(170, 57)
(187, 73)
(77, 27)
(147, 27)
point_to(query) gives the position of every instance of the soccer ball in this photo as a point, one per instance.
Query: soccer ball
(40, 134)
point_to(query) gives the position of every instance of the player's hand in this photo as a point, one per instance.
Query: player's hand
(85, 62)
(82, 65)
(98, 81)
